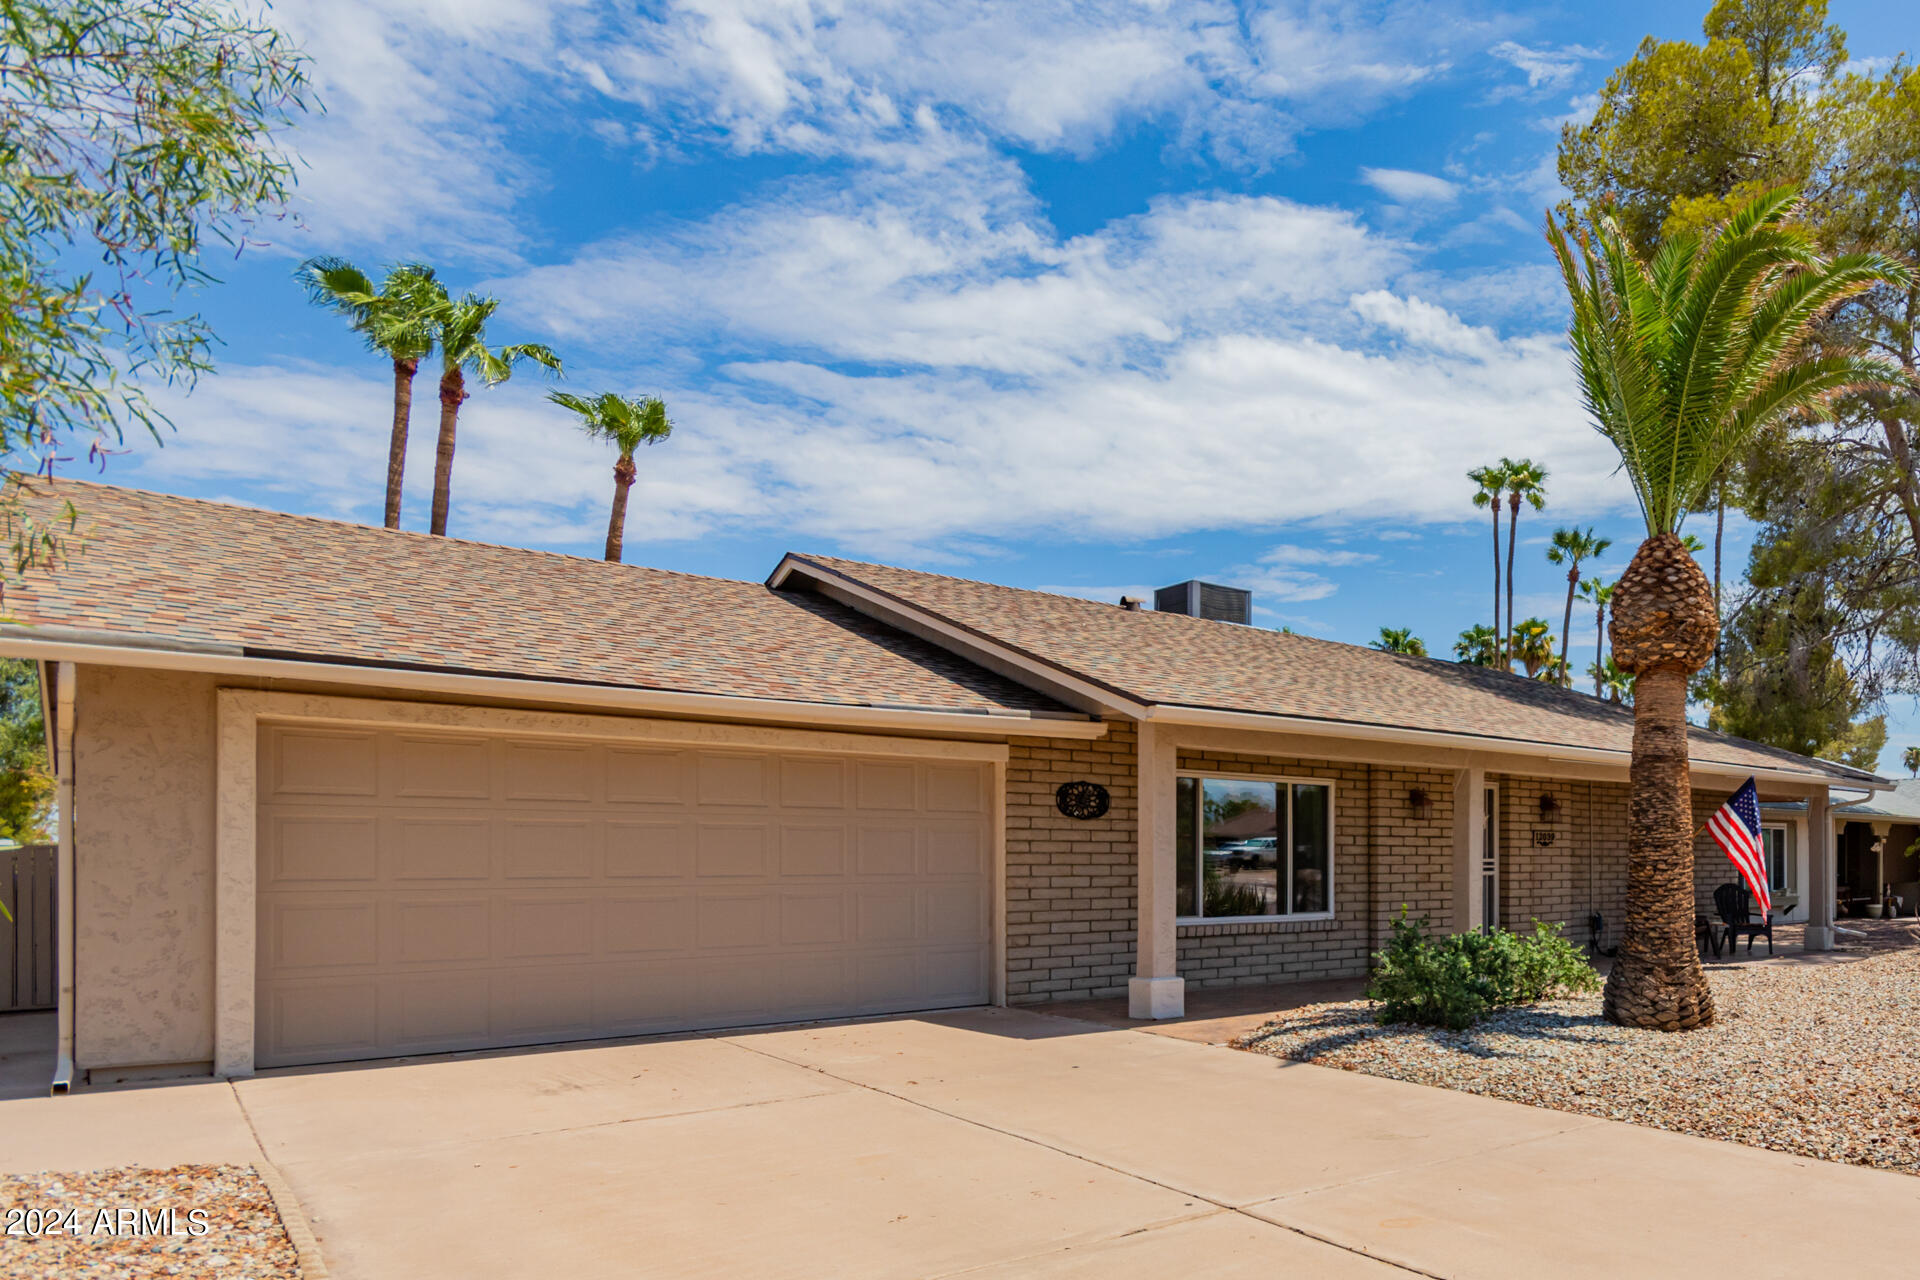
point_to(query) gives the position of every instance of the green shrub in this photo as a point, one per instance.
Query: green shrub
(1455, 981)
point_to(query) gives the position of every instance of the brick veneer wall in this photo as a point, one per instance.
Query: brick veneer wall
(1070, 884)
(1070, 887)
(1581, 870)
(1711, 868)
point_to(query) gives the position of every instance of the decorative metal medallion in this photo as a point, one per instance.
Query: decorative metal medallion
(1083, 800)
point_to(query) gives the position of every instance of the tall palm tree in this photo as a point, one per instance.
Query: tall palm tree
(397, 320)
(1531, 644)
(1493, 482)
(1478, 646)
(460, 329)
(1600, 595)
(1401, 640)
(628, 423)
(1526, 482)
(1911, 758)
(1570, 547)
(1611, 682)
(1682, 360)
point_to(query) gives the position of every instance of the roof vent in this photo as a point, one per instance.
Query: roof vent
(1209, 600)
(1132, 603)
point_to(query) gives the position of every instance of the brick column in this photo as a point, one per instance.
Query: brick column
(1155, 990)
(1820, 872)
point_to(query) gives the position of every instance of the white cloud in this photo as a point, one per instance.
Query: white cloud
(1409, 187)
(1546, 67)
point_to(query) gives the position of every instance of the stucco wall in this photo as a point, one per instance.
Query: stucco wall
(143, 868)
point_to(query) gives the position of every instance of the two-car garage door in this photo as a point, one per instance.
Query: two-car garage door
(423, 892)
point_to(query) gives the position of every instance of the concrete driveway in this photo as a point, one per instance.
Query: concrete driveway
(985, 1143)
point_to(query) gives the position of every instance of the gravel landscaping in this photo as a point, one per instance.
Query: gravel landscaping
(1818, 1056)
(63, 1231)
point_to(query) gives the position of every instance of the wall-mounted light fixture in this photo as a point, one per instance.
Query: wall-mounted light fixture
(1549, 808)
(1420, 803)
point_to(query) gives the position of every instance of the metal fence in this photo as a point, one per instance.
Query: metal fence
(27, 945)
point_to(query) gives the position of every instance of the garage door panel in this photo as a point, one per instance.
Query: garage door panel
(812, 783)
(441, 768)
(953, 912)
(956, 789)
(730, 922)
(646, 777)
(730, 849)
(812, 919)
(630, 924)
(324, 762)
(550, 848)
(956, 851)
(475, 892)
(321, 850)
(426, 1013)
(884, 785)
(548, 771)
(884, 915)
(440, 930)
(542, 1004)
(649, 850)
(322, 933)
(440, 847)
(731, 780)
(886, 851)
(813, 850)
(541, 928)
(316, 1021)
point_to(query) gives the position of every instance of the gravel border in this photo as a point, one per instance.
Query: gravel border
(1819, 1059)
(243, 1239)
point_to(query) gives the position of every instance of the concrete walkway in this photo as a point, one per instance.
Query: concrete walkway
(983, 1143)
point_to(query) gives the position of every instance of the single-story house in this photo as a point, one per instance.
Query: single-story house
(332, 792)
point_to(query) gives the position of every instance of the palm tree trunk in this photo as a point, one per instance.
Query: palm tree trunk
(1656, 980)
(1599, 646)
(623, 474)
(1664, 630)
(1566, 627)
(1513, 537)
(1496, 574)
(403, 371)
(453, 390)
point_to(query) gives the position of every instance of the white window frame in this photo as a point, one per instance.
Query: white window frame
(1202, 777)
(1789, 854)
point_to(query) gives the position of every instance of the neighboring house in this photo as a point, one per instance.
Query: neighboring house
(1877, 847)
(334, 792)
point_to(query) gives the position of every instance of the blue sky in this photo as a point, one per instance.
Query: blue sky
(1093, 298)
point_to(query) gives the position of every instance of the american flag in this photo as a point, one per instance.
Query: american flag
(1735, 827)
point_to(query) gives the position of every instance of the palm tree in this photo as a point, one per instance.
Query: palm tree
(1478, 646)
(460, 328)
(397, 320)
(1911, 758)
(1600, 595)
(628, 424)
(1682, 360)
(1611, 682)
(1401, 640)
(1493, 482)
(1526, 482)
(1532, 644)
(1570, 547)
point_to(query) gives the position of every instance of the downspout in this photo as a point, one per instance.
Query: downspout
(62, 728)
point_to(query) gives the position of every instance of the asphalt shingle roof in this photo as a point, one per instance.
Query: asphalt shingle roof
(1901, 804)
(294, 586)
(1171, 659)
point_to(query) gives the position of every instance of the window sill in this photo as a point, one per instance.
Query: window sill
(1203, 926)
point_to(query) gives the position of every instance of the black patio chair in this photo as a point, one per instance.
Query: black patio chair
(1735, 908)
(1705, 935)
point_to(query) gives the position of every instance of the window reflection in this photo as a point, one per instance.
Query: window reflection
(1241, 848)
(1312, 853)
(1252, 848)
(1186, 801)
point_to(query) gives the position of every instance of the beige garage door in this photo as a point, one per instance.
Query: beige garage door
(421, 893)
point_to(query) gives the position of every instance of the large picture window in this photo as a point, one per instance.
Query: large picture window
(1250, 848)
